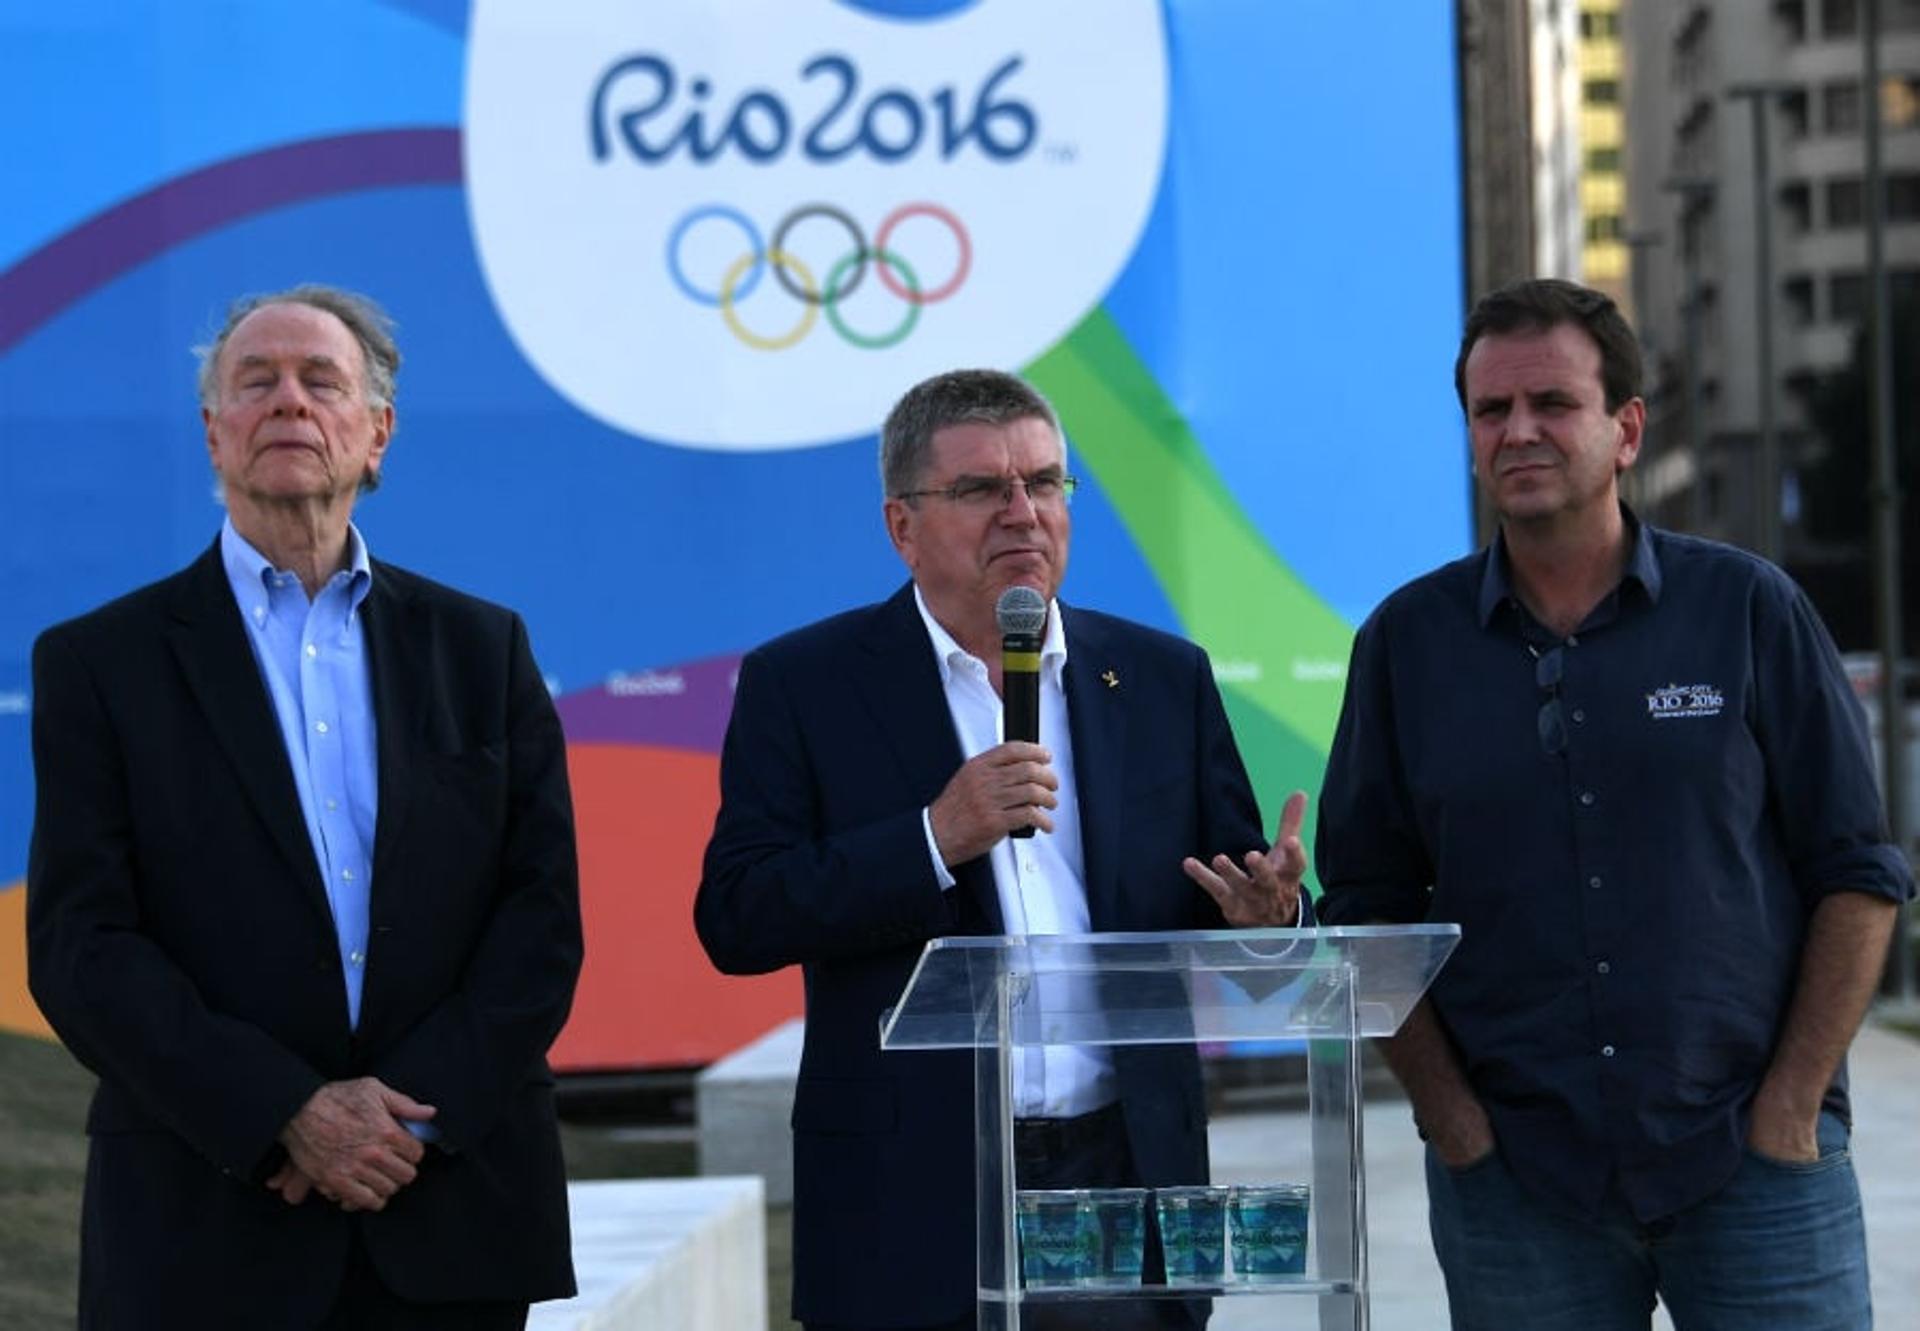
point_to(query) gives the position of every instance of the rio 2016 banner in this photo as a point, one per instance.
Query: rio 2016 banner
(660, 269)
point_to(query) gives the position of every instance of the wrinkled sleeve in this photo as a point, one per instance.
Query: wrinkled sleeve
(779, 888)
(1822, 786)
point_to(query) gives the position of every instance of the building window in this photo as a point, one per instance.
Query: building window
(1846, 204)
(1606, 226)
(1839, 18)
(1791, 15)
(1793, 112)
(1846, 298)
(1900, 101)
(1840, 108)
(1796, 202)
(1599, 23)
(1601, 92)
(1903, 197)
(1797, 294)
(1603, 160)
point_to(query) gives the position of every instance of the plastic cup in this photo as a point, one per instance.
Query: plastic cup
(1193, 1234)
(1120, 1221)
(1059, 1240)
(1267, 1231)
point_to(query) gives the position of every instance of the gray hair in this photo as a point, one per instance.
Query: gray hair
(370, 325)
(958, 397)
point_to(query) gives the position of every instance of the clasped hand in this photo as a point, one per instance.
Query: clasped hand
(350, 1144)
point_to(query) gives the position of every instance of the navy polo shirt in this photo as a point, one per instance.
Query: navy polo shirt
(1632, 872)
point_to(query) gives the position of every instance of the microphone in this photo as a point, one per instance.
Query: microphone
(1021, 613)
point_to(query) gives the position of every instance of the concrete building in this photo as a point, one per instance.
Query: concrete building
(1558, 97)
(1605, 256)
(1704, 73)
(1497, 149)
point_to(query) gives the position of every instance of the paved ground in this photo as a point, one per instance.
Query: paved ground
(1407, 1290)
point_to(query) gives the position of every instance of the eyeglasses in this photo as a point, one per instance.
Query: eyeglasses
(990, 492)
(1552, 719)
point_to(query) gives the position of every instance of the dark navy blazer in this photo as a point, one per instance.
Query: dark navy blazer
(180, 943)
(840, 736)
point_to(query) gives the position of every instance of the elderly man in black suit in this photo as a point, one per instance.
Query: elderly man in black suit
(303, 892)
(866, 806)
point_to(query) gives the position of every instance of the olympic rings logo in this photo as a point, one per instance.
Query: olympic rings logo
(743, 275)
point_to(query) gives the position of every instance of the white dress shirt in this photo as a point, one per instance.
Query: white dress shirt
(1041, 882)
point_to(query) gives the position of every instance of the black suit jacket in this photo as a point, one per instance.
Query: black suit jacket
(840, 736)
(180, 943)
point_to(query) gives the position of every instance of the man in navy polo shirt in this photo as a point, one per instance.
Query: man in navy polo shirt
(1628, 763)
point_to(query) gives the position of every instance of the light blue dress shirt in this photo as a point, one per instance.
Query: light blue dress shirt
(313, 660)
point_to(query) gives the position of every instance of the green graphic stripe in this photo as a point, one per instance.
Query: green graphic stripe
(1273, 640)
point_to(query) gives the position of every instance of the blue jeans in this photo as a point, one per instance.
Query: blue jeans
(1781, 1247)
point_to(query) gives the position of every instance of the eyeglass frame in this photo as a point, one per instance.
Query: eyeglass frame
(952, 493)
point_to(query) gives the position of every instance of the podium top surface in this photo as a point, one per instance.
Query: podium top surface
(1166, 988)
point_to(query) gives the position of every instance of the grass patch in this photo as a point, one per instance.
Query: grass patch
(43, 1156)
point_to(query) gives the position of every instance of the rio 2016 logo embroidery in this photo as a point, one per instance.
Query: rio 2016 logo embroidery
(743, 275)
(1682, 701)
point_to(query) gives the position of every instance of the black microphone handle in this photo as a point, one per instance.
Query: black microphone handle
(1020, 694)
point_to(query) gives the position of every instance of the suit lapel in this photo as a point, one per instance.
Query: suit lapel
(210, 642)
(399, 671)
(1097, 721)
(899, 681)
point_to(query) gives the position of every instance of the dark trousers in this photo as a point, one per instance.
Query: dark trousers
(366, 1304)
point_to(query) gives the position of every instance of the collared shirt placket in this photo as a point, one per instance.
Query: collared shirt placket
(1594, 826)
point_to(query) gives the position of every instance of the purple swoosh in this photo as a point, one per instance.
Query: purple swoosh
(673, 707)
(126, 235)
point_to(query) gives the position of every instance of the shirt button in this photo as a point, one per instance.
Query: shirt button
(1579, 714)
(1594, 881)
(320, 726)
(347, 874)
(1605, 968)
(360, 959)
(1606, 1051)
(332, 804)
(312, 651)
(1586, 797)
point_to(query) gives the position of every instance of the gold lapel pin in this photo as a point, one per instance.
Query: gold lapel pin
(1113, 680)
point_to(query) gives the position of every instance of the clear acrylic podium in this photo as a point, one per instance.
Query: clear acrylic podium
(1327, 987)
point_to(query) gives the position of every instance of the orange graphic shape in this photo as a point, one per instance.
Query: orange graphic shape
(18, 1013)
(648, 996)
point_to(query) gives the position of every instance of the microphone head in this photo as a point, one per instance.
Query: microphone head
(1021, 610)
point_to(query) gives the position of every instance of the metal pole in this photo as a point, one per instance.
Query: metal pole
(1767, 482)
(1696, 404)
(1883, 494)
(1691, 193)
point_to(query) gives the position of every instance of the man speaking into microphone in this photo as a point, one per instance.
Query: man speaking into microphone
(874, 796)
